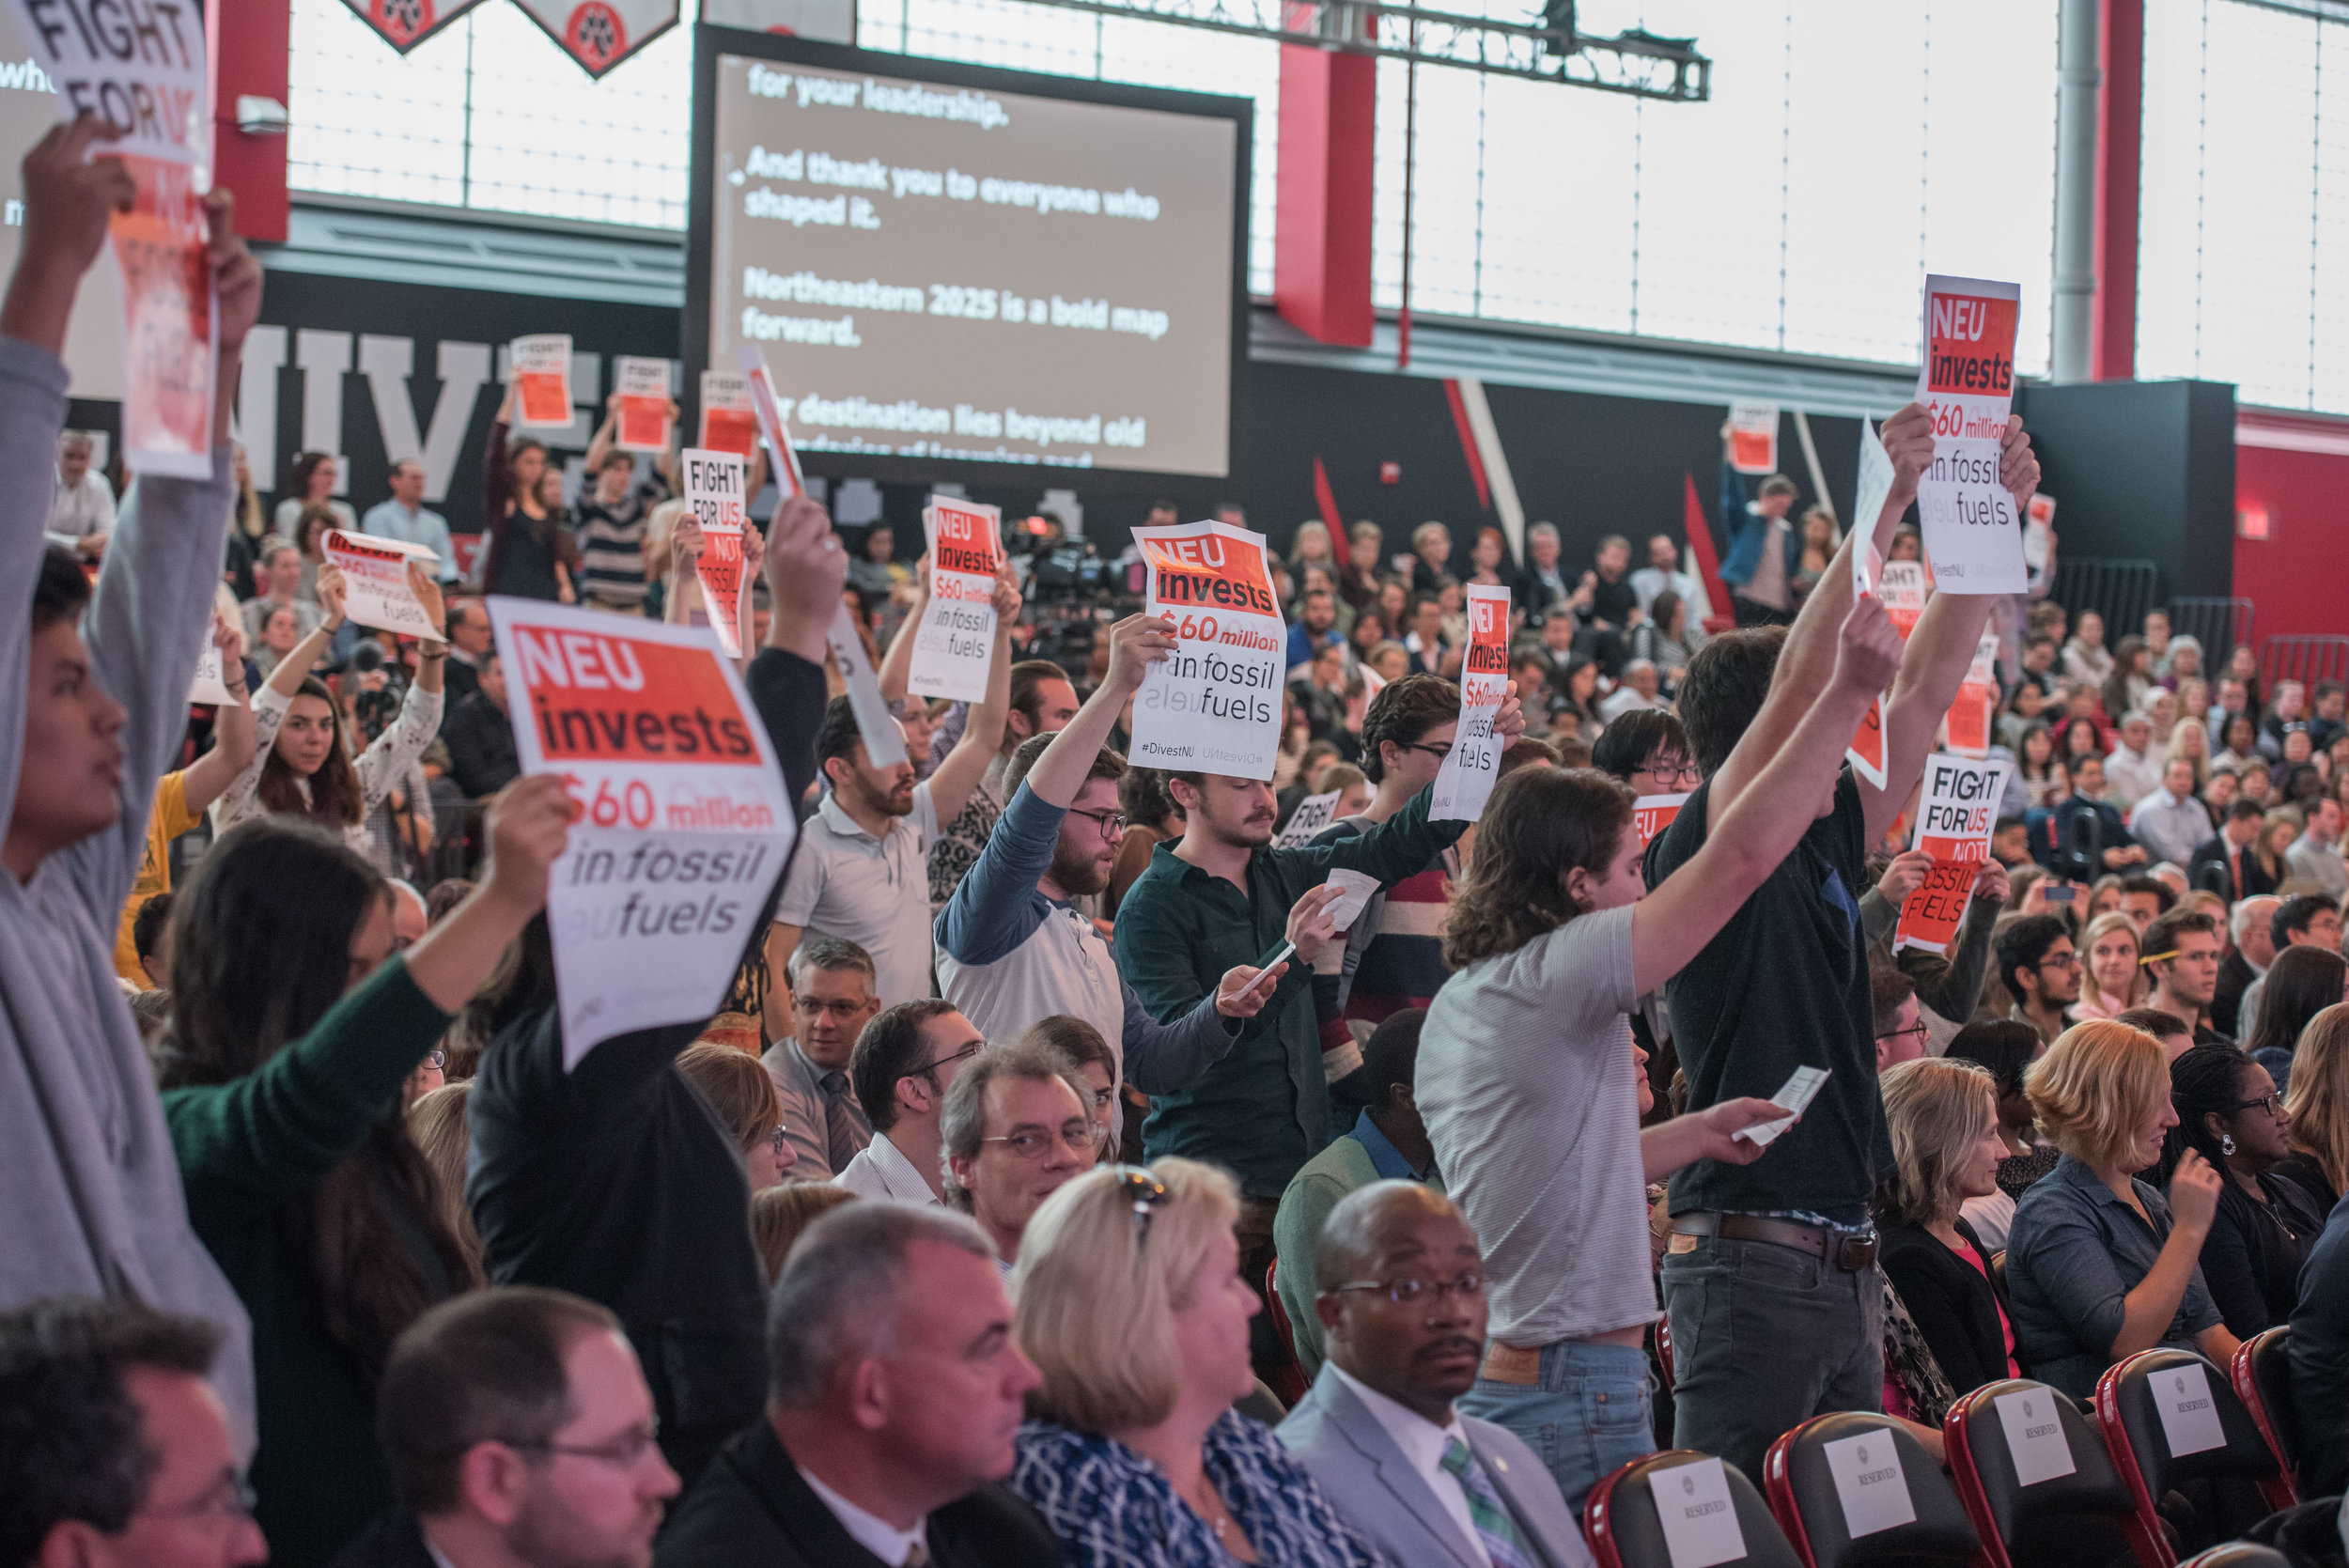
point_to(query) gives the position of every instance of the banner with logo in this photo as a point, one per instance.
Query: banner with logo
(713, 494)
(954, 644)
(1967, 383)
(404, 24)
(727, 423)
(1954, 816)
(685, 825)
(642, 424)
(1473, 767)
(541, 367)
(1214, 704)
(598, 35)
(1753, 438)
(374, 582)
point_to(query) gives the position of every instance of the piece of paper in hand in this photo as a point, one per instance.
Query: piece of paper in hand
(760, 383)
(210, 687)
(684, 825)
(2035, 1436)
(1313, 813)
(1869, 1482)
(1465, 780)
(1214, 704)
(713, 494)
(1794, 1095)
(2189, 1417)
(1968, 383)
(1348, 906)
(542, 380)
(643, 421)
(1264, 975)
(1698, 1516)
(727, 423)
(884, 743)
(954, 648)
(1753, 438)
(374, 582)
(1875, 488)
(2038, 522)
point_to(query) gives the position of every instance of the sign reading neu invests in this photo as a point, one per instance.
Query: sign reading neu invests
(1214, 704)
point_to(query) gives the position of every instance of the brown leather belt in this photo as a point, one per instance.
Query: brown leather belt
(1847, 1252)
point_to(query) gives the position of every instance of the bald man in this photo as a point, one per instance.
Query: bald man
(1402, 1309)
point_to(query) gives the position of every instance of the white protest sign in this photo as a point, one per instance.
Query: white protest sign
(954, 644)
(210, 687)
(374, 582)
(142, 70)
(760, 386)
(727, 423)
(1651, 814)
(1354, 897)
(1967, 383)
(884, 743)
(642, 422)
(2038, 524)
(713, 494)
(1214, 704)
(1698, 1516)
(1869, 1483)
(685, 823)
(540, 365)
(2035, 1436)
(1876, 489)
(1465, 780)
(1954, 814)
(1753, 438)
(2189, 1417)
(1795, 1095)
(1313, 813)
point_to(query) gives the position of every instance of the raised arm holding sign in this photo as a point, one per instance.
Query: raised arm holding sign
(956, 634)
(1970, 519)
(379, 585)
(1215, 706)
(1954, 816)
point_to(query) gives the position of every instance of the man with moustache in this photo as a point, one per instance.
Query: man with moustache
(1013, 950)
(1402, 1305)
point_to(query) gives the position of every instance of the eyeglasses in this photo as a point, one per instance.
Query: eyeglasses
(1468, 1286)
(2272, 1102)
(970, 1050)
(231, 1497)
(623, 1452)
(1112, 824)
(843, 1011)
(1077, 1138)
(1672, 772)
(1145, 1192)
(1439, 750)
(2060, 961)
(1915, 1031)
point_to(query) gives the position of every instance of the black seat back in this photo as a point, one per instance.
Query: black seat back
(1809, 1506)
(1619, 1517)
(2219, 1491)
(2061, 1522)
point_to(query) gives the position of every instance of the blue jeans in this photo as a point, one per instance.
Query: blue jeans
(1587, 1413)
(1764, 1338)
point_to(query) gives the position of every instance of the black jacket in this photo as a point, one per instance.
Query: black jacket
(2248, 878)
(2252, 1258)
(393, 1540)
(1954, 1307)
(480, 741)
(752, 1509)
(2226, 1002)
(616, 1181)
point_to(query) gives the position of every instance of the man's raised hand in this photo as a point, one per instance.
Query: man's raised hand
(805, 569)
(529, 823)
(1868, 649)
(1908, 438)
(1136, 643)
(2018, 465)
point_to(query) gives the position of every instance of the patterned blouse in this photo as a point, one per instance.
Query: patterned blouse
(1114, 1509)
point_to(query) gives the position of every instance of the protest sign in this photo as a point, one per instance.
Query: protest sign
(727, 423)
(884, 743)
(1214, 704)
(1968, 728)
(1466, 778)
(713, 494)
(2038, 532)
(1313, 813)
(1874, 488)
(1651, 814)
(1956, 814)
(954, 644)
(145, 77)
(642, 423)
(685, 825)
(1901, 588)
(1904, 590)
(210, 686)
(1753, 438)
(374, 582)
(541, 368)
(1968, 383)
(760, 386)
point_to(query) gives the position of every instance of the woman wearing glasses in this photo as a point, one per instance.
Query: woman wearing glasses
(1131, 1305)
(2229, 1113)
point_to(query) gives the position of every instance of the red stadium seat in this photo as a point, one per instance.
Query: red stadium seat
(2234, 1470)
(1288, 1381)
(2059, 1522)
(1620, 1520)
(2263, 1380)
(1805, 1496)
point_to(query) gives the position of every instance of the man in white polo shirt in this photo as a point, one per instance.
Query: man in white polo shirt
(904, 1061)
(861, 870)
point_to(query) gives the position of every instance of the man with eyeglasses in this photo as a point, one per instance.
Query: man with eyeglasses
(2041, 972)
(904, 1063)
(1403, 1311)
(1899, 1030)
(520, 1433)
(833, 995)
(1015, 1130)
(114, 1450)
(1012, 947)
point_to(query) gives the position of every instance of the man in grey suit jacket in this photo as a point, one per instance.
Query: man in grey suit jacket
(1402, 1305)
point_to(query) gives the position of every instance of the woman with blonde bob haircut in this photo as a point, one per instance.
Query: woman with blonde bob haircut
(2099, 1266)
(2318, 1101)
(1131, 1305)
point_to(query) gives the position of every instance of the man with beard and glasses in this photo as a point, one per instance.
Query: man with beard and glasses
(1012, 949)
(521, 1435)
(862, 870)
(1402, 1305)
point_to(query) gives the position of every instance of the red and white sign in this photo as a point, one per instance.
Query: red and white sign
(210, 687)
(713, 494)
(685, 823)
(1902, 587)
(643, 421)
(1753, 438)
(404, 24)
(727, 423)
(1465, 780)
(600, 33)
(374, 582)
(1214, 704)
(1651, 814)
(760, 383)
(1955, 814)
(2038, 530)
(954, 644)
(541, 368)
(1968, 728)
(1968, 383)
